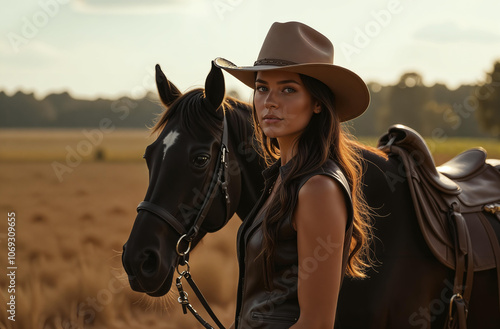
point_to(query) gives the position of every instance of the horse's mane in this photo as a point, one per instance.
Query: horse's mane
(194, 116)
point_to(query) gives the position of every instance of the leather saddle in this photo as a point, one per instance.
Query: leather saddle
(452, 203)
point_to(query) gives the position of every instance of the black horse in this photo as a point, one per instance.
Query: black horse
(408, 289)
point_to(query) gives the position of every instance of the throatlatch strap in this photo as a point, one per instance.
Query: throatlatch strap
(219, 178)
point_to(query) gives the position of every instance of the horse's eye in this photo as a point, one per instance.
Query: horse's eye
(201, 160)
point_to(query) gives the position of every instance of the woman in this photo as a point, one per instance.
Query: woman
(310, 225)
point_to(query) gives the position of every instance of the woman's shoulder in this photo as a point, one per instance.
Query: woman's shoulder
(321, 198)
(330, 171)
(324, 185)
(320, 187)
(326, 188)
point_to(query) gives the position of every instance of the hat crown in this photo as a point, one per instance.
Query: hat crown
(298, 48)
(296, 43)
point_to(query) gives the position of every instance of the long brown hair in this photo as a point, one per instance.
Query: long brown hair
(324, 138)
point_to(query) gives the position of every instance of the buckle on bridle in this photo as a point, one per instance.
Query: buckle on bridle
(456, 296)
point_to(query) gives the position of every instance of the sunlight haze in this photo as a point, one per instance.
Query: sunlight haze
(108, 48)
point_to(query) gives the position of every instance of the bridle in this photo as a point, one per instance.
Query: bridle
(220, 179)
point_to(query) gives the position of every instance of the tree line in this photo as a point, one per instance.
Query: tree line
(23, 110)
(468, 111)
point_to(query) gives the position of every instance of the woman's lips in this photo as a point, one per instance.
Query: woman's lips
(271, 119)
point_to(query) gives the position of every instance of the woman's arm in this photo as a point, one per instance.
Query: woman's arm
(320, 219)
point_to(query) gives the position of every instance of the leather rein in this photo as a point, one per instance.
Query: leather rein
(219, 179)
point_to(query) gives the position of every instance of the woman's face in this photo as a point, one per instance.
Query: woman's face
(283, 105)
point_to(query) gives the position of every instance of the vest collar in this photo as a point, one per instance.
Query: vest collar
(271, 172)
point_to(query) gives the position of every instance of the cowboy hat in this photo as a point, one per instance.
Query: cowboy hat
(298, 48)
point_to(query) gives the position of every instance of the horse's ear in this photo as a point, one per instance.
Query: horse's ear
(214, 88)
(167, 90)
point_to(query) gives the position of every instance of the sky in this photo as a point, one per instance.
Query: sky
(108, 48)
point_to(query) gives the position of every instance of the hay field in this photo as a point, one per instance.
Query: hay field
(72, 144)
(70, 234)
(71, 228)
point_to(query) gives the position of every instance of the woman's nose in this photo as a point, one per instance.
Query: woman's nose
(270, 100)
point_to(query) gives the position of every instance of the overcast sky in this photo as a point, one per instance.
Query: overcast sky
(108, 48)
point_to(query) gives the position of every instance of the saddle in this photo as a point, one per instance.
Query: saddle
(452, 203)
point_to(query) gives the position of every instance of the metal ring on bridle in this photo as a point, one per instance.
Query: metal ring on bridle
(185, 271)
(181, 254)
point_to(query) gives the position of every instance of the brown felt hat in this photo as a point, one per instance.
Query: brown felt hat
(298, 48)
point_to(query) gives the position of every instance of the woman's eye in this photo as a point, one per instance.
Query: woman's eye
(201, 160)
(261, 88)
(288, 90)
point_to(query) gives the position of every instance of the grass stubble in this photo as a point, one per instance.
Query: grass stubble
(69, 237)
(70, 233)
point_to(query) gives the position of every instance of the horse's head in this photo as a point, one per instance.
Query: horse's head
(190, 165)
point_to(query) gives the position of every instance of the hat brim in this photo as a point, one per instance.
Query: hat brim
(351, 93)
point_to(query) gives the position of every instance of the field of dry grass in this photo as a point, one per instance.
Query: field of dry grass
(63, 145)
(58, 144)
(71, 228)
(69, 237)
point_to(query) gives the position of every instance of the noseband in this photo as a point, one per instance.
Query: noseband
(219, 179)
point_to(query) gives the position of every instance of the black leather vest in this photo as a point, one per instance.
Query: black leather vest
(258, 306)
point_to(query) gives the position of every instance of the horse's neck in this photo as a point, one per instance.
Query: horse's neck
(250, 162)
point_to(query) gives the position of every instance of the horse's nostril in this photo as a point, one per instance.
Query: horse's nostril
(150, 265)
